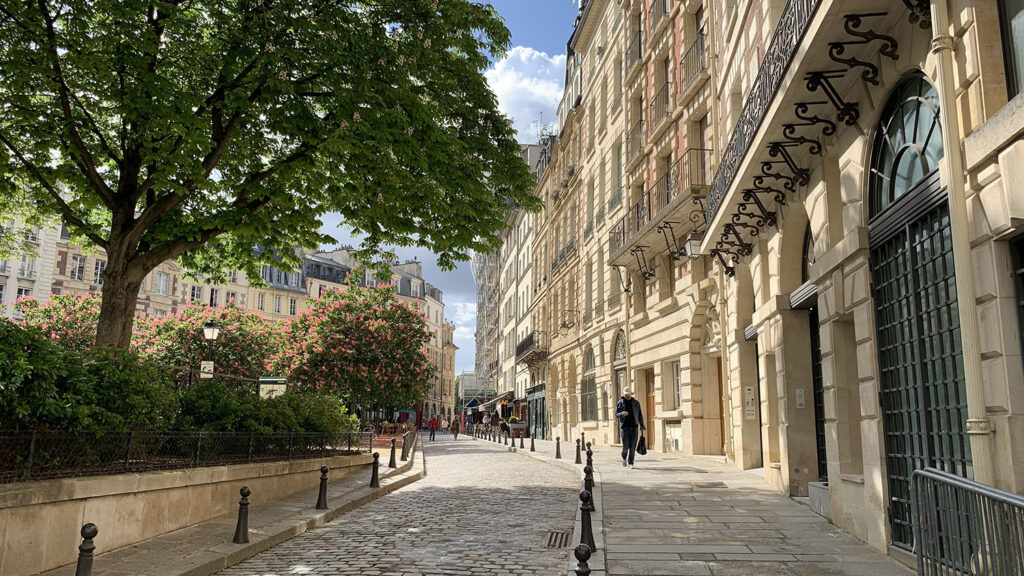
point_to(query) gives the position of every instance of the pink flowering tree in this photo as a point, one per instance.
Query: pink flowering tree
(68, 320)
(361, 343)
(245, 344)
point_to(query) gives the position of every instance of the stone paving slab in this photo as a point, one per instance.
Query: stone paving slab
(205, 548)
(679, 516)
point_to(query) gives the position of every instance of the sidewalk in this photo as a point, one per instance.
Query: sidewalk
(681, 516)
(205, 548)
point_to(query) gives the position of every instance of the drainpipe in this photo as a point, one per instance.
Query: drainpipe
(979, 428)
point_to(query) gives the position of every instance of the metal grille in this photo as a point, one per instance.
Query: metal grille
(966, 528)
(557, 539)
(819, 394)
(920, 366)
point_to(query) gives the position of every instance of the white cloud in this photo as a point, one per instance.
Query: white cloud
(528, 83)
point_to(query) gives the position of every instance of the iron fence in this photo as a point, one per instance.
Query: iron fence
(965, 528)
(694, 63)
(661, 107)
(34, 455)
(633, 50)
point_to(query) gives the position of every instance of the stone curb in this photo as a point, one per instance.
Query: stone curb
(227, 554)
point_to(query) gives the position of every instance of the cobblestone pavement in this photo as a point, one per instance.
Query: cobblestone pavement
(480, 510)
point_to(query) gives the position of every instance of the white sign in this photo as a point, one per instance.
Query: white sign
(206, 369)
(800, 398)
(749, 403)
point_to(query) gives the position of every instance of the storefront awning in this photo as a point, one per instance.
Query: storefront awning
(502, 399)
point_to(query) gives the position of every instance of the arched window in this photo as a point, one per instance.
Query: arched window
(588, 387)
(589, 362)
(620, 348)
(908, 145)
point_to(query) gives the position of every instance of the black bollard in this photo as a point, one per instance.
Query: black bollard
(583, 438)
(504, 439)
(521, 441)
(587, 535)
(405, 447)
(582, 554)
(242, 527)
(558, 448)
(590, 456)
(375, 475)
(321, 500)
(532, 449)
(588, 479)
(578, 459)
(85, 550)
(391, 462)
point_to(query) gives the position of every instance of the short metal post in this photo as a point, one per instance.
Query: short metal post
(583, 438)
(582, 554)
(85, 550)
(521, 441)
(578, 459)
(532, 449)
(504, 439)
(321, 500)
(587, 535)
(392, 463)
(588, 484)
(558, 447)
(375, 475)
(590, 456)
(242, 527)
(405, 447)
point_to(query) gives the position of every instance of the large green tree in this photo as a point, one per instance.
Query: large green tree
(200, 129)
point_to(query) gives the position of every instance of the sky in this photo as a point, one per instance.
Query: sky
(528, 84)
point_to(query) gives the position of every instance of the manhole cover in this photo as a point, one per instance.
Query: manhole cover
(558, 539)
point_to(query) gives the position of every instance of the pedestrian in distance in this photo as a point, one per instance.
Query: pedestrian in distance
(444, 425)
(627, 411)
(433, 427)
(455, 429)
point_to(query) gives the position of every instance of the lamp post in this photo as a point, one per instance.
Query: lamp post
(211, 330)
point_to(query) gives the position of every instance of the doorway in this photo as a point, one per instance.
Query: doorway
(649, 406)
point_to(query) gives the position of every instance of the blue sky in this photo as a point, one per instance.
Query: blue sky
(528, 83)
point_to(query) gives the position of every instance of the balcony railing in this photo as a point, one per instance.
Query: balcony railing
(633, 50)
(533, 347)
(563, 254)
(659, 8)
(689, 176)
(694, 64)
(637, 140)
(661, 108)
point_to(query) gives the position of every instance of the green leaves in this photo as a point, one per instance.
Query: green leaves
(200, 130)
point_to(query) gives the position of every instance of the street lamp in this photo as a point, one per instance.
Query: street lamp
(211, 330)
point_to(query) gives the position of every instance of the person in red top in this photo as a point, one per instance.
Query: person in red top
(433, 427)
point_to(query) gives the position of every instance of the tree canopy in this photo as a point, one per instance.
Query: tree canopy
(201, 129)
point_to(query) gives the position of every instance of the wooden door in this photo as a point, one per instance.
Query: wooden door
(649, 407)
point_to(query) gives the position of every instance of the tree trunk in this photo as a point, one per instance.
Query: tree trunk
(117, 307)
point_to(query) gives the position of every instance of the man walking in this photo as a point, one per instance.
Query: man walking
(433, 427)
(630, 418)
(455, 428)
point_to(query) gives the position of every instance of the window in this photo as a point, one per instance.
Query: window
(259, 301)
(3, 292)
(159, 313)
(291, 306)
(24, 292)
(65, 234)
(163, 283)
(98, 269)
(230, 297)
(77, 267)
(1017, 260)
(196, 294)
(32, 234)
(277, 304)
(588, 390)
(1011, 16)
(295, 278)
(28, 267)
(233, 276)
(214, 296)
(4, 266)
(142, 287)
(266, 273)
(676, 383)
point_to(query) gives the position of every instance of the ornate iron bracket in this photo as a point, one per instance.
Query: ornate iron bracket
(847, 112)
(698, 217)
(671, 244)
(770, 217)
(767, 171)
(627, 287)
(641, 261)
(746, 221)
(920, 13)
(852, 23)
(779, 195)
(741, 247)
(781, 150)
(730, 271)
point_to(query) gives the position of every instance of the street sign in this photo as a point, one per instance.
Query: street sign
(206, 369)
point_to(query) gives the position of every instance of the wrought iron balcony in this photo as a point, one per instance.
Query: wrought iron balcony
(659, 8)
(533, 348)
(636, 141)
(694, 65)
(661, 107)
(633, 50)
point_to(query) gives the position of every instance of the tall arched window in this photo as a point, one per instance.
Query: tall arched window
(908, 145)
(588, 387)
(619, 352)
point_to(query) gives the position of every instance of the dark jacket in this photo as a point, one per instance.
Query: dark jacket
(620, 412)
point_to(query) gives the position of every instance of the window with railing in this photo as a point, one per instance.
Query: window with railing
(659, 8)
(28, 267)
(633, 49)
(694, 64)
(637, 139)
(661, 107)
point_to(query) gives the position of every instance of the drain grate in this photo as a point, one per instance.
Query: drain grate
(558, 539)
(709, 485)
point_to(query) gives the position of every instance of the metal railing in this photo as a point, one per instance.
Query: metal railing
(37, 455)
(659, 8)
(696, 171)
(633, 50)
(616, 196)
(636, 140)
(533, 341)
(661, 107)
(965, 528)
(694, 63)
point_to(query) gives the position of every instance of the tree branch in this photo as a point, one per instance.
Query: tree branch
(89, 166)
(151, 259)
(96, 130)
(65, 210)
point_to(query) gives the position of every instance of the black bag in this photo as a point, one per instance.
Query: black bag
(641, 446)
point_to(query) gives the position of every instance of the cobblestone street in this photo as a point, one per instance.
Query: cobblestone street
(480, 510)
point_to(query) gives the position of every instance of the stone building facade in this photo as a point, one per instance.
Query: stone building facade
(819, 242)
